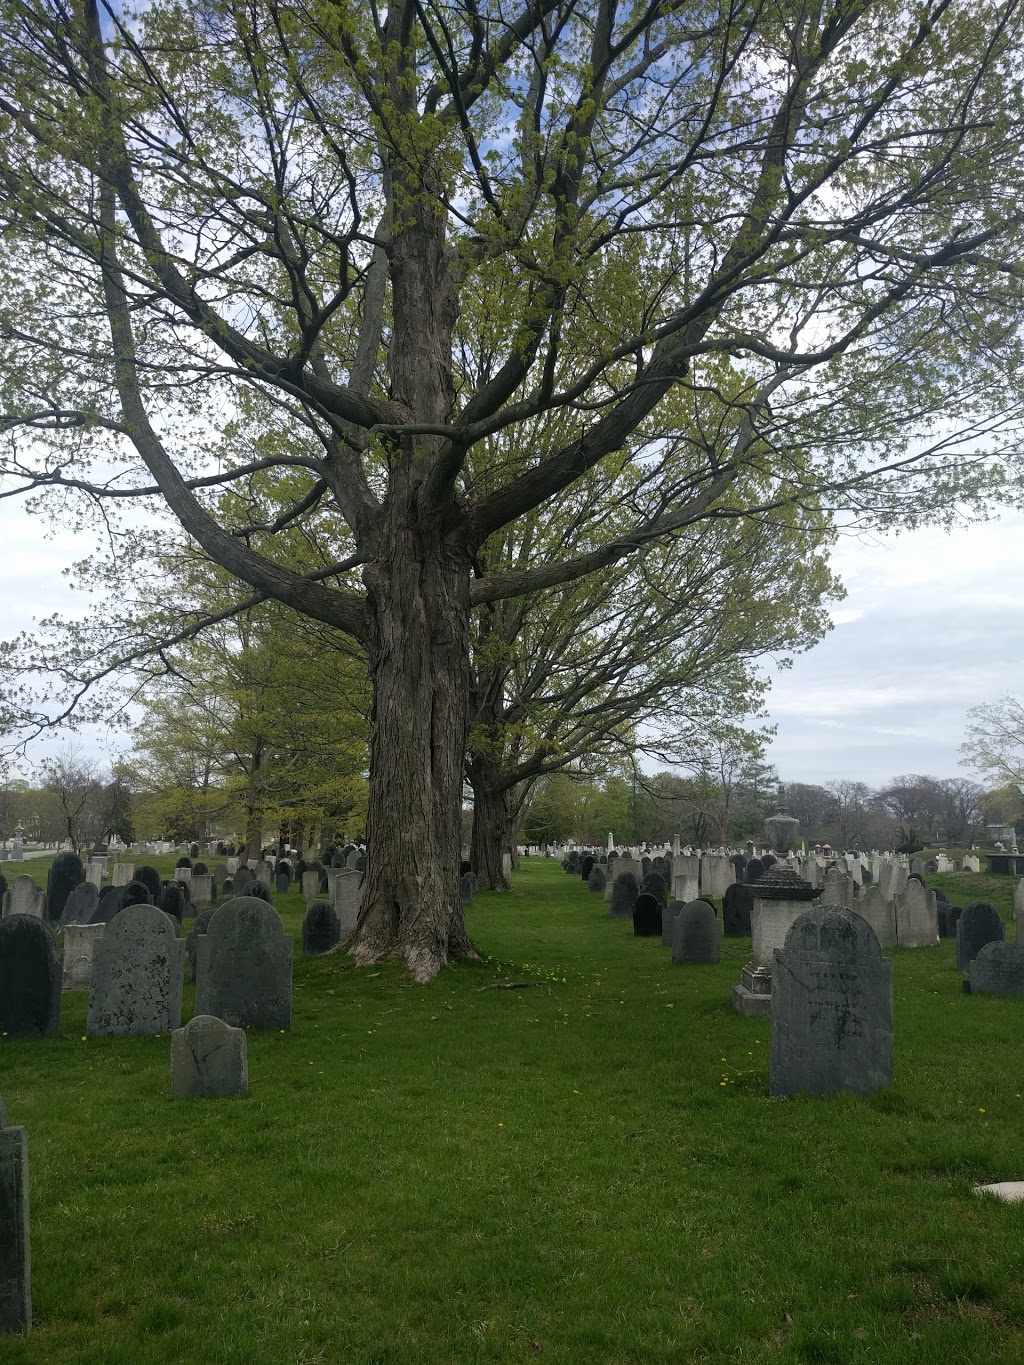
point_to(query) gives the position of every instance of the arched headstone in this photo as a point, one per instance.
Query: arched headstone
(30, 978)
(138, 974)
(245, 966)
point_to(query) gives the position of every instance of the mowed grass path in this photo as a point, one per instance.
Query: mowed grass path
(588, 1169)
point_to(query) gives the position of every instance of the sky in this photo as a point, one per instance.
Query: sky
(931, 626)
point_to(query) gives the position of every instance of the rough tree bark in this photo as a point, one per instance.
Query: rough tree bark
(492, 825)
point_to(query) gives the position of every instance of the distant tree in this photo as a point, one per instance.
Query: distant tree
(814, 806)
(852, 811)
(994, 744)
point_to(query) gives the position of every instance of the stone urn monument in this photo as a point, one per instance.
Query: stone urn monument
(781, 828)
(781, 895)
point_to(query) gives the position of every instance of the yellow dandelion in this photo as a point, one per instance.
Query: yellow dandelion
(981, 1111)
(85, 1037)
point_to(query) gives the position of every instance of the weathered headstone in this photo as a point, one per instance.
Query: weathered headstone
(917, 919)
(26, 898)
(243, 880)
(696, 936)
(320, 928)
(467, 887)
(65, 874)
(245, 966)
(208, 1060)
(646, 916)
(879, 913)
(94, 871)
(624, 893)
(831, 1007)
(80, 906)
(979, 923)
(837, 888)
(347, 895)
(137, 975)
(80, 941)
(668, 915)
(192, 939)
(282, 883)
(15, 1258)
(737, 904)
(123, 874)
(151, 880)
(201, 890)
(30, 977)
(780, 897)
(351, 862)
(183, 875)
(597, 878)
(997, 970)
(654, 885)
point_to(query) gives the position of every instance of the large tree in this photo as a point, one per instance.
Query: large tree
(264, 236)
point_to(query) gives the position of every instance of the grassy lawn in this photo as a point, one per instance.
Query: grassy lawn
(588, 1169)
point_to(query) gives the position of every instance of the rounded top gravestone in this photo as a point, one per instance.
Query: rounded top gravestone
(137, 975)
(625, 890)
(647, 916)
(244, 966)
(696, 936)
(30, 978)
(80, 905)
(320, 928)
(66, 872)
(754, 871)
(654, 885)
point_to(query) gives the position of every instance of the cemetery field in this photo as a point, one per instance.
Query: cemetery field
(584, 1169)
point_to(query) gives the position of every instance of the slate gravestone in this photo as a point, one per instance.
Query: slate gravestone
(737, 904)
(586, 865)
(192, 939)
(696, 936)
(647, 916)
(208, 1060)
(245, 966)
(151, 880)
(320, 928)
(199, 870)
(66, 872)
(171, 900)
(351, 862)
(506, 868)
(837, 889)
(668, 915)
(948, 916)
(242, 880)
(134, 893)
(282, 883)
(347, 897)
(831, 1007)
(645, 866)
(220, 876)
(596, 880)
(137, 975)
(311, 883)
(184, 862)
(872, 906)
(80, 942)
(997, 970)
(654, 885)
(624, 895)
(264, 872)
(108, 903)
(26, 898)
(15, 1259)
(80, 905)
(30, 978)
(467, 887)
(978, 924)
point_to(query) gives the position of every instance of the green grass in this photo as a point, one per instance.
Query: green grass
(449, 1174)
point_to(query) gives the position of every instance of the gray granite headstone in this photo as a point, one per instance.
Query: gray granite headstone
(696, 936)
(917, 916)
(201, 890)
(624, 895)
(245, 966)
(467, 887)
(997, 970)
(596, 879)
(80, 906)
(25, 898)
(80, 942)
(192, 939)
(209, 1060)
(347, 895)
(311, 884)
(831, 1007)
(668, 916)
(979, 923)
(352, 861)
(137, 975)
(320, 928)
(30, 978)
(15, 1257)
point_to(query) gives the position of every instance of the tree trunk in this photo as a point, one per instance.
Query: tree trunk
(418, 650)
(492, 831)
(254, 832)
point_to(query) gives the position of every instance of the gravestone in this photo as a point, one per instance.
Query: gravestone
(585, 866)
(201, 890)
(320, 928)
(685, 883)
(654, 885)
(831, 1007)
(625, 891)
(134, 893)
(282, 883)
(79, 906)
(837, 889)
(467, 887)
(596, 880)
(668, 915)
(65, 874)
(245, 966)
(978, 924)
(737, 904)
(696, 936)
(347, 895)
(15, 1258)
(647, 916)
(1018, 898)
(80, 942)
(242, 880)
(151, 880)
(192, 939)
(94, 871)
(123, 874)
(311, 883)
(208, 1060)
(137, 975)
(220, 876)
(917, 919)
(108, 903)
(172, 901)
(780, 897)
(26, 898)
(183, 875)
(879, 913)
(997, 970)
(232, 865)
(351, 862)
(30, 977)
